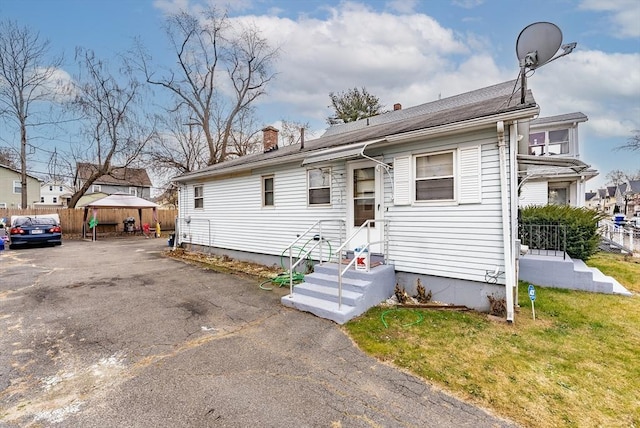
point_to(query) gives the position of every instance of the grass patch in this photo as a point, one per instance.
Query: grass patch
(624, 268)
(576, 365)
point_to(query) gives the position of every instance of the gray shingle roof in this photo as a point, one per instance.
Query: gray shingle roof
(120, 176)
(562, 118)
(483, 102)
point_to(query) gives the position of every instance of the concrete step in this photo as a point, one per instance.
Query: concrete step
(567, 273)
(329, 292)
(331, 280)
(320, 307)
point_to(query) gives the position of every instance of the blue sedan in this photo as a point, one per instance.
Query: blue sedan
(27, 230)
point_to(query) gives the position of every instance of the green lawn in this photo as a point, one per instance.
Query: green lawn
(577, 364)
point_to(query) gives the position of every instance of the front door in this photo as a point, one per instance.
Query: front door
(364, 193)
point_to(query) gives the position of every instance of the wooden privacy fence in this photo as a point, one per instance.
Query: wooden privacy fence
(71, 219)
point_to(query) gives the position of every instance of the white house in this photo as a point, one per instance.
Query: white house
(435, 182)
(54, 194)
(554, 139)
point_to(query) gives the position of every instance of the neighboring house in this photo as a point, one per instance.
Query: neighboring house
(604, 200)
(627, 197)
(11, 188)
(132, 181)
(438, 179)
(592, 201)
(54, 194)
(555, 137)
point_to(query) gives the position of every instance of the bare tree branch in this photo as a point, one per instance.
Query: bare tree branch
(25, 80)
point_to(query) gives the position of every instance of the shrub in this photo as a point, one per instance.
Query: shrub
(581, 225)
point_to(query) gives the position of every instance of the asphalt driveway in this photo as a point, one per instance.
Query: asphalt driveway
(113, 334)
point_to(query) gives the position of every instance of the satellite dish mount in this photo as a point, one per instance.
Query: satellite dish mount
(537, 45)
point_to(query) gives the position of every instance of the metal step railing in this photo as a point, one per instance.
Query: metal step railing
(313, 233)
(544, 239)
(361, 250)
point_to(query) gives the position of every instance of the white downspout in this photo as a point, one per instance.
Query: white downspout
(506, 224)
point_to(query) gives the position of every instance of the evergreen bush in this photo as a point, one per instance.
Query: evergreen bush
(581, 226)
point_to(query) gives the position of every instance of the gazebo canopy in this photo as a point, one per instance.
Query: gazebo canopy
(120, 200)
(117, 200)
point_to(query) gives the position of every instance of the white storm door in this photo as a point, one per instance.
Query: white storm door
(365, 200)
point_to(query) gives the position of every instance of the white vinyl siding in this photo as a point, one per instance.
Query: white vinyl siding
(235, 219)
(458, 240)
(534, 193)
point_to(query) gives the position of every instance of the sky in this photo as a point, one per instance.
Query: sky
(402, 51)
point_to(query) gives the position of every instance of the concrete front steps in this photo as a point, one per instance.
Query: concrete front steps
(559, 272)
(361, 290)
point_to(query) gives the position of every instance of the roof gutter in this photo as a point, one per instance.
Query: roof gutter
(242, 167)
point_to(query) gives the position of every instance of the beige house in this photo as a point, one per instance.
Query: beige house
(11, 189)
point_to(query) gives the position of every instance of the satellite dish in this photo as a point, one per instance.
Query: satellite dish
(537, 44)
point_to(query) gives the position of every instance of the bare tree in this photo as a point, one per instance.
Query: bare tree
(116, 135)
(292, 132)
(221, 71)
(26, 78)
(8, 157)
(616, 177)
(633, 143)
(245, 138)
(180, 147)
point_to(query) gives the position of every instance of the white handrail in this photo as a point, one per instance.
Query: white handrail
(318, 225)
(362, 249)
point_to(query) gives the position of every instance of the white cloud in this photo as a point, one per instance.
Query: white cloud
(604, 86)
(624, 15)
(406, 59)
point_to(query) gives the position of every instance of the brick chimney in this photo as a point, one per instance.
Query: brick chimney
(270, 139)
(397, 106)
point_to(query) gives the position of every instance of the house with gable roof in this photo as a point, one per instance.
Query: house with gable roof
(132, 181)
(428, 192)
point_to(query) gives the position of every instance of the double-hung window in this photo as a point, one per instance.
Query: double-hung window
(17, 186)
(319, 186)
(434, 178)
(267, 191)
(198, 197)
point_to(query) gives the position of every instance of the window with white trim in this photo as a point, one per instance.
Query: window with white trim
(319, 186)
(549, 142)
(55, 200)
(198, 197)
(42, 199)
(267, 191)
(96, 188)
(434, 179)
(17, 186)
(133, 191)
(452, 176)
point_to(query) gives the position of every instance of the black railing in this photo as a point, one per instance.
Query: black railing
(545, 239)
